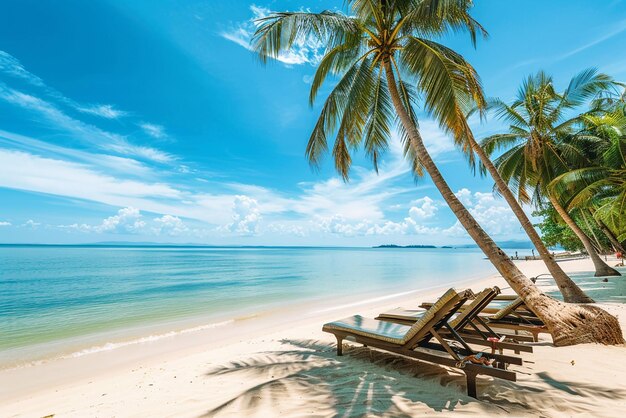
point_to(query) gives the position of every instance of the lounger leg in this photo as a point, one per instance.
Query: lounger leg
(339, 346)
(471, 384)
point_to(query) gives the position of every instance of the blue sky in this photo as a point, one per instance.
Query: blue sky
(152, 121)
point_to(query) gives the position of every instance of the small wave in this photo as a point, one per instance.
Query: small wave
(148, 339)
(364, 302)
(115, 345)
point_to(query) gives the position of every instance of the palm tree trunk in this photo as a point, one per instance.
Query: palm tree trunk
(599, 245)
(617, 246)
(570, 290)
(569, 324)
(602, 269)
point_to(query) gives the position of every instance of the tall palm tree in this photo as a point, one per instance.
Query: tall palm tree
(539, 145)
(601, 186)
(384, 52)
(570, 290)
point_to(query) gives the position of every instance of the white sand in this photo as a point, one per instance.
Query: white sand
(282, 364)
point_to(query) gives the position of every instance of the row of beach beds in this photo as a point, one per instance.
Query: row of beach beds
(474, 333)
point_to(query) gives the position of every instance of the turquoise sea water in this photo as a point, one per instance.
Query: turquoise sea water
(52, 295)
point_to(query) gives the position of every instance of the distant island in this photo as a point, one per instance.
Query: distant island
(517, 245)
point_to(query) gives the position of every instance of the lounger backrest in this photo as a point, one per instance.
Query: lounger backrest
(508, 309)
(478, 304)
(436, 316)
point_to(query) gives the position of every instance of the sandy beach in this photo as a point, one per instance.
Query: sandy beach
(282, 364)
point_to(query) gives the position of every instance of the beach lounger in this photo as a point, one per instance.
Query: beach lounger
(515, 316)
(515, 304)
(467, 323)
(415, 340)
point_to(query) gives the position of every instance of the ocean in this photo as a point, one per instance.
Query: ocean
(63, 300)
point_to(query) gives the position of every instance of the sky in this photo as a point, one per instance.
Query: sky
(154, 122)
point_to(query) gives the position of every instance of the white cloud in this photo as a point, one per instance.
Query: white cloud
(13, 67)
(303, 51)
(105, 162)
(424, 208)
(411, 225)
(20, 170)
(154, 130)
(103, 111)
(284, 228)
(5, 223)
(83, 131)
(146, 153)
(128, 220)
(465, 196)
(437, 142)
(363, 198)
(169, 225)
(246, 216)
(31, 224)
(491, 212)
(58, 119)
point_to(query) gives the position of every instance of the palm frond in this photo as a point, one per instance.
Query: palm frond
(279, 31)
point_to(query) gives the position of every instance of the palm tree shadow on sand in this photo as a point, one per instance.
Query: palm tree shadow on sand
(308, 379)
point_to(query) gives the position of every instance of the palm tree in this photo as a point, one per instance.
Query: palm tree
(539, 144)
(380, 52)
(601, 186)
(570, 290)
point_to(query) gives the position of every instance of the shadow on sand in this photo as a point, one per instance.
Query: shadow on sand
(307, 379)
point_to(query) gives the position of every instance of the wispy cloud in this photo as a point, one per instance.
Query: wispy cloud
(104, 111)
(618, 29)
(304, 50)
(13, 67)
(25, 171)
(239, 209)
(154, 130)
(5, 223)
(50, 109)
(105, 162)
(80, 130)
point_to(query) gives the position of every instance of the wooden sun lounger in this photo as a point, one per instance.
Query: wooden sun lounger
(467, 323)
(514, 316)
(415, 340)
(515, 304)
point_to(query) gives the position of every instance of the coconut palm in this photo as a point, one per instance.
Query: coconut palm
(601, 186)
(384, 53)
(540, 144)
(570, 290)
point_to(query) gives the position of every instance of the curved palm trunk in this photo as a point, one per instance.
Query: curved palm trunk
(602, 269)
(599, 247)
(570, 290)
(569, 324)
(617, 246)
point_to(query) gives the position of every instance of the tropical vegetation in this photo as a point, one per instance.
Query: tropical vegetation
(387, 58)
(543, 142)
(556, 234)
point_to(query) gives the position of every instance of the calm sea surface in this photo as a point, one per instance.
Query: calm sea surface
(50, 296)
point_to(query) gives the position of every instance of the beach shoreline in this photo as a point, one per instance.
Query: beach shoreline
(171, 376)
